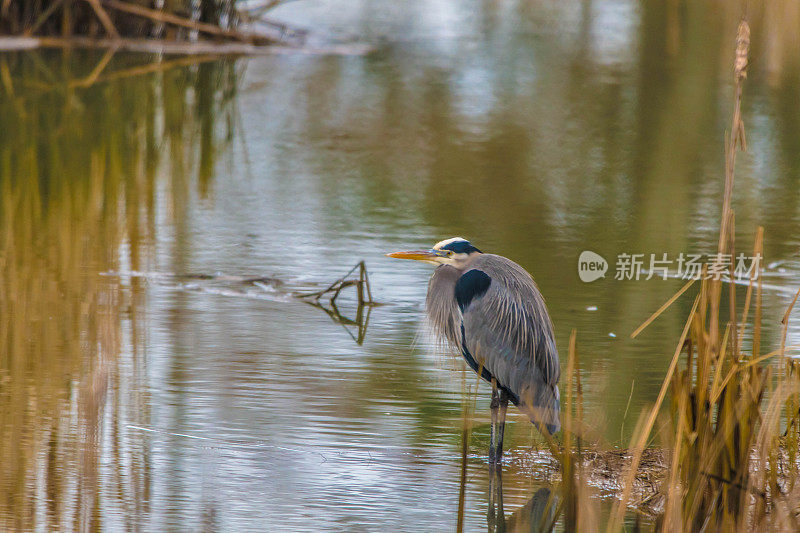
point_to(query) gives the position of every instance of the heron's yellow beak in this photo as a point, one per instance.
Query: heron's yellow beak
(418, 255)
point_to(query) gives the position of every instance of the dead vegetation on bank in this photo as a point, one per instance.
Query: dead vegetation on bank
(143, 24)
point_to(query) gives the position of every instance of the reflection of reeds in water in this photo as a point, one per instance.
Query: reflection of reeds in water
(78, 173)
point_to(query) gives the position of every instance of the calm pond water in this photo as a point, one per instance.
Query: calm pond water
(136, 397)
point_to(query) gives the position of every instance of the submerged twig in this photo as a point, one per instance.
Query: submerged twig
(361, 321)
(363, 294)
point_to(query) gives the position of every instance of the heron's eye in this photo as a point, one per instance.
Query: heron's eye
(450, 253)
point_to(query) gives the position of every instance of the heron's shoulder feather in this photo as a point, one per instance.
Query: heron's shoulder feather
(472, 284)
(505, 272)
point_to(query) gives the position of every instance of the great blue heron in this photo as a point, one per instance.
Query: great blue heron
(489, 308)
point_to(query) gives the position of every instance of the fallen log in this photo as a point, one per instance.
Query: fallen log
(156, 46)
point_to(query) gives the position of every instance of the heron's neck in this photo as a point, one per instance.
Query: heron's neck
(467, 263)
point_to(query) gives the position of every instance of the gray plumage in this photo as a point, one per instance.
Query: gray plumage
(506, 330)
(489, 308)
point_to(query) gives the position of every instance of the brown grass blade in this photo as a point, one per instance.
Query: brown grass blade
(662, 308)
(758, 248)
(619, 511)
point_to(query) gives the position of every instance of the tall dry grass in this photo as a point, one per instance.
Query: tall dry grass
(727, 448)
(729, 424)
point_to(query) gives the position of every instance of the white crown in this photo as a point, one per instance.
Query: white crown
(441, 244)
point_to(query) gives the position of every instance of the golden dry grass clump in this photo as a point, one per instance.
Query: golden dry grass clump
(731, 425)
(728, 457)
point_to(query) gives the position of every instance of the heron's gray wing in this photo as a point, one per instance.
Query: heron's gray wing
(507, 331)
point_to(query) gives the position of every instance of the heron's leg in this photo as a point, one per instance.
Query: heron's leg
(501, 423)
(494, 406)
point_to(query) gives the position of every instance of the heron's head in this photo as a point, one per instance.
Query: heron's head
(456, 252)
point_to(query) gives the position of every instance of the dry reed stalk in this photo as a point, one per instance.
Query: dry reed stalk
(644, 432)
(568, 461)
(727, 471)
(161, 16)
(117, 19)
(758, 250)
(578, 503)
(42, 17)
(105, 20)
(719, 422)
(662, 308)
(716, 421)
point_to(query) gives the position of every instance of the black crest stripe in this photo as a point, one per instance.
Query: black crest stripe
(460, 247)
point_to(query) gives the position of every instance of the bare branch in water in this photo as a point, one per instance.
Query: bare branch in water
(361, 283)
